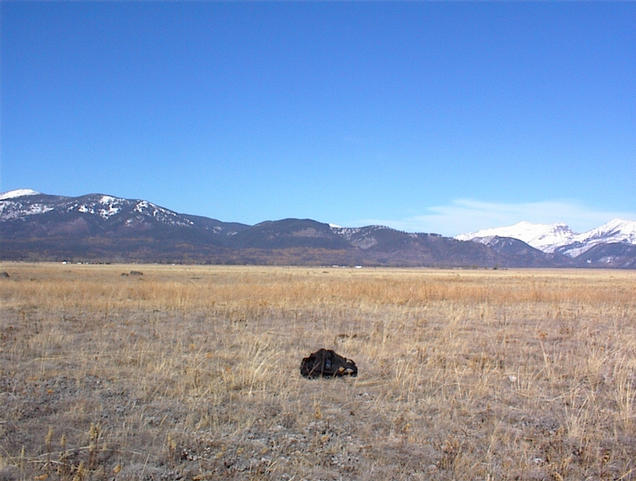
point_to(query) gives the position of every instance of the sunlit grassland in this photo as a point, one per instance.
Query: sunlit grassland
(192, 371)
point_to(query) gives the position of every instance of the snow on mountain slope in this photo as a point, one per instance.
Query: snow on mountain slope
(26, 211)
(615, 231)
(17, 193)
(545, 237)
(559, 237)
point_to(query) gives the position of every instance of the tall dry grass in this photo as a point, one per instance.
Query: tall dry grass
(192, 372)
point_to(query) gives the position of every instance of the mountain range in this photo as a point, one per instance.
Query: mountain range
(105, 228)
(613, 243)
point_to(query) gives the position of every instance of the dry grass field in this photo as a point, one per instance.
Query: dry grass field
(191, 373)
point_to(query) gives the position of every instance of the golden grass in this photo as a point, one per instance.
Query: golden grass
(192, 372)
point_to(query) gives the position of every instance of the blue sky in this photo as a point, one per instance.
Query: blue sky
(434, 117)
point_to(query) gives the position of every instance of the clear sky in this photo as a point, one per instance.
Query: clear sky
(433, 117)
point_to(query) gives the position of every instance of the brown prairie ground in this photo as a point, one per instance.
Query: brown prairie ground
(192, 373)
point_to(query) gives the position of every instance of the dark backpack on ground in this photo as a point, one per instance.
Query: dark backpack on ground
(326, 363)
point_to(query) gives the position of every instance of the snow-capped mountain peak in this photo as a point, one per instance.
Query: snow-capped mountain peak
(559, 238)
(616, 230)
(545, 237)
(17, 193)
(99, 223)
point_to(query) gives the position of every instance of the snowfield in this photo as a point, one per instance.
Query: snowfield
(545, 237)
(552, 237)
(12, 194)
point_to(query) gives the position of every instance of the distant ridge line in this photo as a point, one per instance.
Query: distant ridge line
(106, 228)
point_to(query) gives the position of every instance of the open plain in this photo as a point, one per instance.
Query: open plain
(129, 372)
